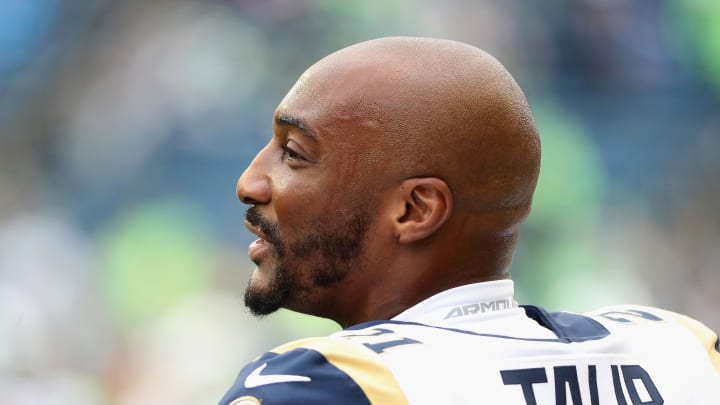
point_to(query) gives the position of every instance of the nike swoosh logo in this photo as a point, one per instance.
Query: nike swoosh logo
(255, 379)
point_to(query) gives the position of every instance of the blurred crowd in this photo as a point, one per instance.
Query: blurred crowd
(125, 124)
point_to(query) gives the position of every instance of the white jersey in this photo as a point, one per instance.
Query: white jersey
(475, 345)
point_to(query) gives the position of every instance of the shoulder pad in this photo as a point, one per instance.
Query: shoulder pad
(315, 371)
(635, 313)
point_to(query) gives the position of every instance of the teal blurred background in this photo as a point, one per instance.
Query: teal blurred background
(125, 124)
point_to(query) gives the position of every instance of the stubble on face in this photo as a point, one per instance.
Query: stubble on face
(319, 259)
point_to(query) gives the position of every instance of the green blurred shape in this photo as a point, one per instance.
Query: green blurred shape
(355, 21)
(698, 21)
(572, 184)
(558, 243)
(154, 256)
(294, 325)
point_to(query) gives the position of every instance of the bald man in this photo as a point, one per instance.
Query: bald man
(389, 200)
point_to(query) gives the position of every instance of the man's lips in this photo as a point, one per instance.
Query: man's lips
(254, 230)
(259, 248)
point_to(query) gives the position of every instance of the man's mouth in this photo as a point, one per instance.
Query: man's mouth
(259, 248)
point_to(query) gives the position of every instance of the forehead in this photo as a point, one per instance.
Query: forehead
(323, 105)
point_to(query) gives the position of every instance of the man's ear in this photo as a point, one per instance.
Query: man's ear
(422, 207)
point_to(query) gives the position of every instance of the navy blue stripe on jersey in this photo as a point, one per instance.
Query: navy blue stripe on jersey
(370, 324)
(567, 326)
(302, 375)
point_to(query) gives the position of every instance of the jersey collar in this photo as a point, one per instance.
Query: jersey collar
(462, 303)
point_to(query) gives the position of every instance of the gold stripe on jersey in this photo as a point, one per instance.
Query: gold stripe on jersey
(246, 400)
(705, 335)
(377, 381)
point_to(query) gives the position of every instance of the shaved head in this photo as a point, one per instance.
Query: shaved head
(436, 108)
(409, 162)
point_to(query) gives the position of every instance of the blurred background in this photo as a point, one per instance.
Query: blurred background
(125, 124)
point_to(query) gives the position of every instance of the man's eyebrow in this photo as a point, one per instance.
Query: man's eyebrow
(297, 122)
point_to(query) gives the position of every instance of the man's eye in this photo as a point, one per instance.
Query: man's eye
(291, 154)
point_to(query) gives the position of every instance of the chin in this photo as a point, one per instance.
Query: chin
(262, 301)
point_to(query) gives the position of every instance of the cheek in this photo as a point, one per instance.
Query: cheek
(281, 182)
(299, 202)
(302, 190)
(319, 193)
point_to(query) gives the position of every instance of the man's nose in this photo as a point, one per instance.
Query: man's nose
(253, 186)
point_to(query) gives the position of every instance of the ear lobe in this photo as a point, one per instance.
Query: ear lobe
(427, 204)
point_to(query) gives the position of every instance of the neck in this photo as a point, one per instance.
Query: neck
(394, 289)
(388, 283)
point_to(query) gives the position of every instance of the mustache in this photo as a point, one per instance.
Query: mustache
(269, 230)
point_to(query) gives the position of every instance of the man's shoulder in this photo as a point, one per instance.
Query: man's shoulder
(661, 325)
(318, 370)
(642, 316)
